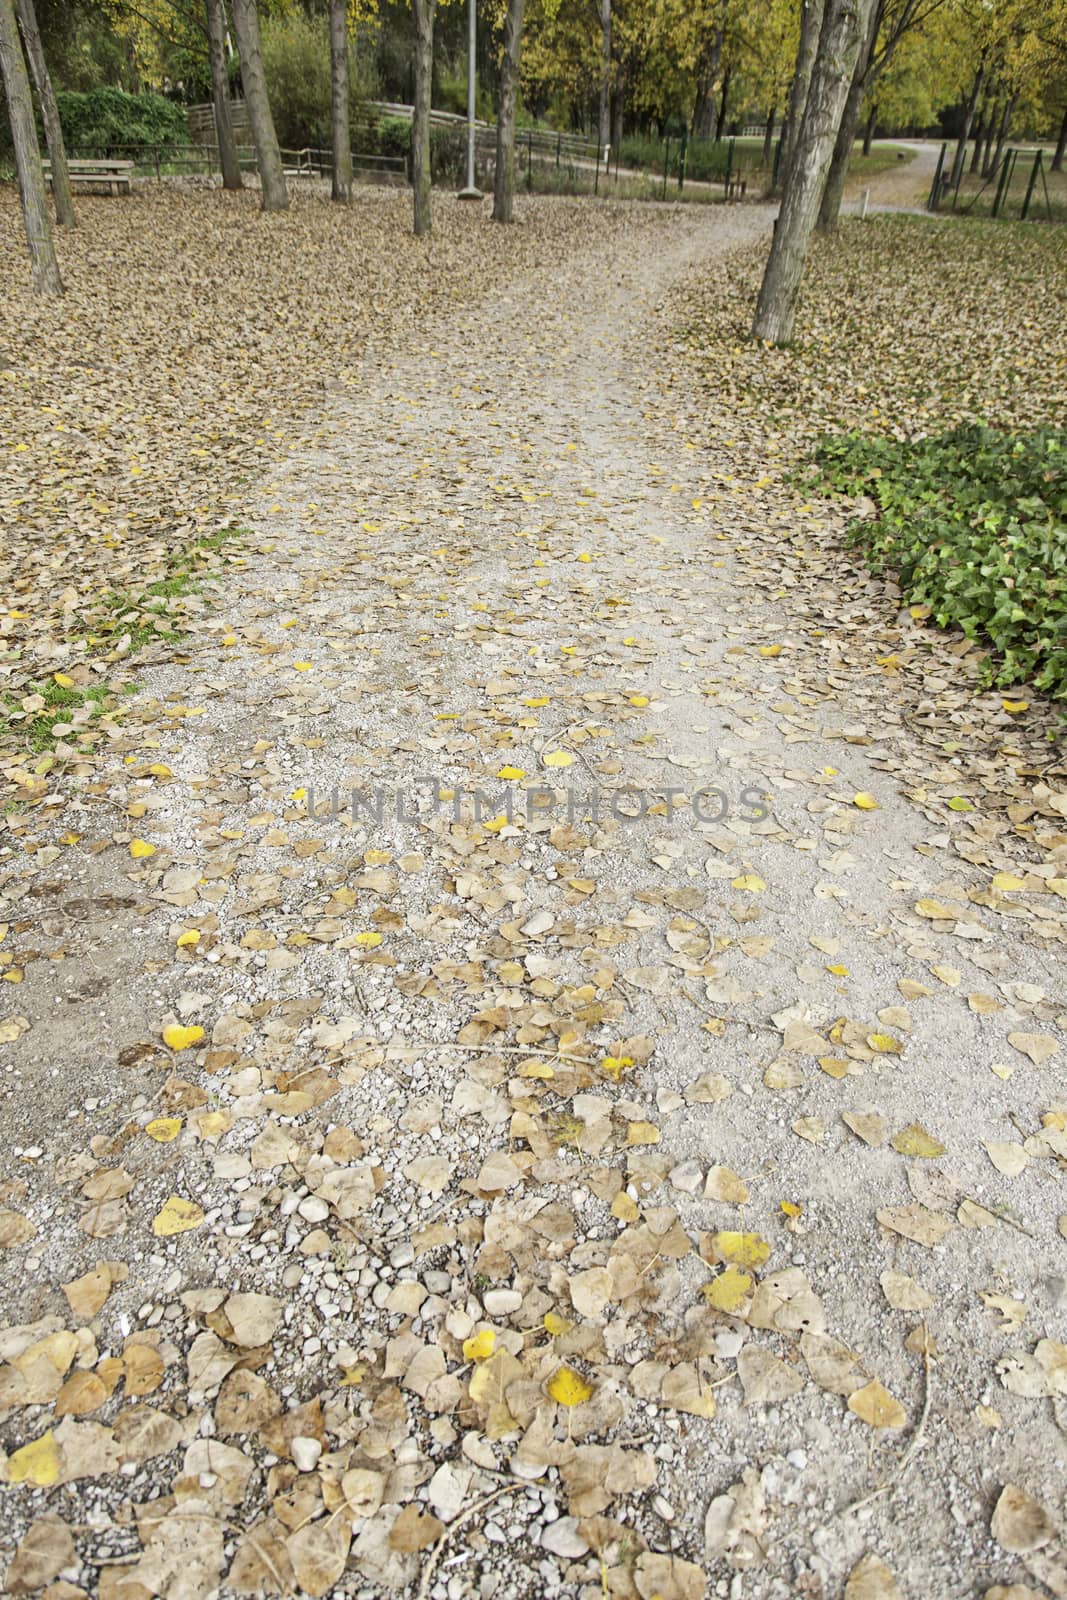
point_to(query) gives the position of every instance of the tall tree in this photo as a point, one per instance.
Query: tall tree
(424, 11)
(254, 83)
(890, 22)
(504, 174)
(53, 129)
(604, 109)
(220, 94)
(342, 139)
(43, 263)
(810, 23)
(843, 28)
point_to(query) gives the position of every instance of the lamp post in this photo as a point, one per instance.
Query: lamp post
(471, 192)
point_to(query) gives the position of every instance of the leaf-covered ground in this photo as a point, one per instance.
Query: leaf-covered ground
(647, 1180)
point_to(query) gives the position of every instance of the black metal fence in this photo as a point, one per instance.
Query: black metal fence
(1016, 187)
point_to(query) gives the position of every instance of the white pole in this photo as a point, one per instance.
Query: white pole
(470, 192)
(864, 202)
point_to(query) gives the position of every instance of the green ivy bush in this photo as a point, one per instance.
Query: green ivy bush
(974, 525)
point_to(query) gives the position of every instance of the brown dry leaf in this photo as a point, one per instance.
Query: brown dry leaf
(318, 1553)
(870, 1126)
(1010, 1159)
(658, 1577)
(86, 1295)
(871, 1579)
(874, 1405)
(916, 1223)
(903, 1293)
(414, 1530)
(765, 1378)
(46, 1548)
(722, 1184)
(1020, 1523)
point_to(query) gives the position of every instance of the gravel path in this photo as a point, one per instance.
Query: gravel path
(489, 1095)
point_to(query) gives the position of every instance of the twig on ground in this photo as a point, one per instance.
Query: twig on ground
(909, 1454)
(442, 1544)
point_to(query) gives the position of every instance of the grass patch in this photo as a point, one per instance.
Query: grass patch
(50, 703)
(973, 523)
(153, 613)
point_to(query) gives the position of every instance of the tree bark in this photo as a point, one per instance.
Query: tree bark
(704, 107)
(254, 83)
(844, 27)
(504, 173)
(53, 129)
(618, 105)
(1002, 130)
(868, 132)
(45, 268)
(1061, 145)
(220, 94)
(965, 132)
(604, 111)
(420, 118)
(342, 138)
(768, 135)
(810, 23)
(724, 101)
(987, 155)
(830, 207)
(979, 134)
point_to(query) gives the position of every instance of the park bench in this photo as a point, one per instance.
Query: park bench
(736, 188)
(114, 175)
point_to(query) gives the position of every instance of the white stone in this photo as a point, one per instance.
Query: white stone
(562, 1538)
(305, 1453)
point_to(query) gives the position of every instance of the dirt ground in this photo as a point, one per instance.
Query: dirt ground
(645, 1180)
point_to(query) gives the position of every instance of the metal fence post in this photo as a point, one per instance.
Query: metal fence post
(666, 163)
(596, 180)
(681, 161)
(529, 159)
(1034, 170)
(559, 143)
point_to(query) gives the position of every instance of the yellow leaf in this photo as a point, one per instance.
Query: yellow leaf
(36, 1463)
(751, 882)
(874, 1405)
(62, 679)
(958, 803)
(555, 1325)
(367, 940)
(885, 1044)
(175, 1037)
(615, 1066)
(770, 650)
(639, 699)
(1005, 882)
(159, 770)
(838, 971)
(140, 849)
(865, 802)
(536, 1069)
(729, 1290)
(177, 1216)
(302, 666)
(164, 1129)
(558, 758)
(1015, 708)
(742, 1249)
(480, 1347)
(512, 774)
(188, 938)
(537, 700)
(915, 1141)
(624, 1208)
(791, 1210)
(569, 1388)
(642, 1133)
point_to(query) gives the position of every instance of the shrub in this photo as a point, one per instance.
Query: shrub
(110, 117)
(974, 524)
(296, 60)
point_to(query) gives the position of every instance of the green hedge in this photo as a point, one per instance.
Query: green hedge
(109, 117)
(974, 525)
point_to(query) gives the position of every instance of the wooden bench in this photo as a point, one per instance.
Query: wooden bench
(736, 188)
(115, 176)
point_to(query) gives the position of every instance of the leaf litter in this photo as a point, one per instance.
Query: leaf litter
(467, 1172)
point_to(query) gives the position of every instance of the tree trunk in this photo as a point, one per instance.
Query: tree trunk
(254, 83)
(979, 133)
(342, 139)
(868, 132)
(844, 28)
(504, 175)
(53, 130)
(991, 124)
(45, 268)
(965, 132)
(1061, 145)
(833, 193)
(1002, 131)
(618, 104)
(724, 101)
(420, 120)
(810, 23)
(768, 135)
(604, 112)
(704, 107)
(220, 94)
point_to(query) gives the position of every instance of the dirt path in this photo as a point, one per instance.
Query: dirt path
(543, 1076)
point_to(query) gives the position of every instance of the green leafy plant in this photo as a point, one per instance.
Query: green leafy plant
(108, 117)
(973, 523)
